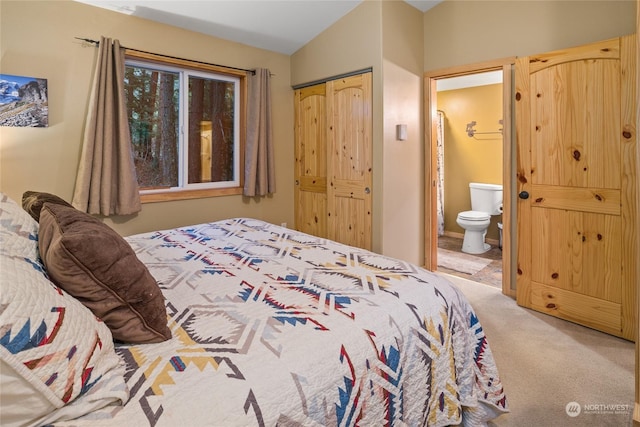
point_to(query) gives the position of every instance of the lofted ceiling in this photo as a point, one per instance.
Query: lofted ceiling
(282, 26)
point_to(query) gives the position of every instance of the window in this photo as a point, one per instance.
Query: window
(184, 119)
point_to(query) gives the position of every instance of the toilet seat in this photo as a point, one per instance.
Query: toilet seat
(474, 216)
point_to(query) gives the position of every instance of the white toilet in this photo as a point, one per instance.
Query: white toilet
(486, 200)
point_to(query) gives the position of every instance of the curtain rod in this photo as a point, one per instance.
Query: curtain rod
(97, 43)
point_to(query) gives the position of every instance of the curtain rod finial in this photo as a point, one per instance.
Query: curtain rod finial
(89, 41)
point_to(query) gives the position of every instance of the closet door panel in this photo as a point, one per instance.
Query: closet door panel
(310, 191)
(349, 162)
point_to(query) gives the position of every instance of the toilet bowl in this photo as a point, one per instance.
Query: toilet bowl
(486, 200)
(475, 224)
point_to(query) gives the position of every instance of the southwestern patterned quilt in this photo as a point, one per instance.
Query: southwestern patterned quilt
(275, 327)
(269, 327)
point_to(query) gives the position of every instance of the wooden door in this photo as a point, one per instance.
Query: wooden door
(349, 161)
(577, 185)
(310, 191)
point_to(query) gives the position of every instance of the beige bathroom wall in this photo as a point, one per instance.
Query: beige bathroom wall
(466, 159)
(37, 38)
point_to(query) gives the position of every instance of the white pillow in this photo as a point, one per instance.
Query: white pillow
(52, 348)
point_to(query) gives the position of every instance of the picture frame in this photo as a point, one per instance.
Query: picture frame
(23, 101)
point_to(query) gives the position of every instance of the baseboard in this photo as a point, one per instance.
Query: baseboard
(460, 236)
(454, 234)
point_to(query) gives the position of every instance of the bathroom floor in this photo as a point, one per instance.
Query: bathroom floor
(483, 268)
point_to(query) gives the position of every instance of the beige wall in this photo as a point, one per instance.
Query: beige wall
(477, 159)
(37, 39)
(402, 212)
(351, 44)
(386, 36)
(382, 35)
(459, 32)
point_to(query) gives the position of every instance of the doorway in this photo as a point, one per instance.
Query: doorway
(469, 144)
(503, 67)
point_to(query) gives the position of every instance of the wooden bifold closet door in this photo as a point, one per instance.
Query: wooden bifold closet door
(310, 191)
(333, 160)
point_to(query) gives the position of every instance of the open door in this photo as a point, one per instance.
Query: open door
(577, 185)
(430, 89)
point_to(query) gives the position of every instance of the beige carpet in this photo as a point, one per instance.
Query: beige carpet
(459, 261)
(551, 368)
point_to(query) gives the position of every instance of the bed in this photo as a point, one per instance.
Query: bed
(238, 323)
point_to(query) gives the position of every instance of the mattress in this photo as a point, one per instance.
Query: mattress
(271, 326)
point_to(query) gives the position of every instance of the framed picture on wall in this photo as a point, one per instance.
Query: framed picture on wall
(23, 101)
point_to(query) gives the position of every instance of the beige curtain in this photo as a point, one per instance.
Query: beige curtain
(106, 183)
(259, 167)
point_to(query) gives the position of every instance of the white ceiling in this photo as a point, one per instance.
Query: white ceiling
(277, 25)
(471, 80)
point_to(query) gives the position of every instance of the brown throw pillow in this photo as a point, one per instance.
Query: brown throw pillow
(96, 265)
(32, 202)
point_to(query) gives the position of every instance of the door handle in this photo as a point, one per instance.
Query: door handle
(523, 195)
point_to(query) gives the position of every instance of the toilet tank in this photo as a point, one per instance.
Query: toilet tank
(486, 197)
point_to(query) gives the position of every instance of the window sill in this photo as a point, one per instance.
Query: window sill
(169, 196)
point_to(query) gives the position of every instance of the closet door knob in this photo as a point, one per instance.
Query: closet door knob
(523, 195)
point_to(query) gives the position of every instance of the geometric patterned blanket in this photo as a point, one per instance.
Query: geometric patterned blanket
(276, 327)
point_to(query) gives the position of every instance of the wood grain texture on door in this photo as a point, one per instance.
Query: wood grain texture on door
(349, 195)
(577, 185)
(310, 190)
(333, 160)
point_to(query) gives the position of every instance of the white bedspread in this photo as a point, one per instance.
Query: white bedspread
(275, 327)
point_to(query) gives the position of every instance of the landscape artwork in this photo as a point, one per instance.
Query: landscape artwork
(23, 101)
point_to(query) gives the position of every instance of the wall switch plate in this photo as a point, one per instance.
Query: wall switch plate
(401, 132)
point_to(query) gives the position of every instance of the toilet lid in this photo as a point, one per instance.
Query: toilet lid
(474, 216)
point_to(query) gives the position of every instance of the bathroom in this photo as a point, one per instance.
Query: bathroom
(471, 112)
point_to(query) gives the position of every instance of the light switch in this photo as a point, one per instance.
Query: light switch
(401, 132)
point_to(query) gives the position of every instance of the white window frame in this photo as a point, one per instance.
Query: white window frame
(184, 153)
(185, 69)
